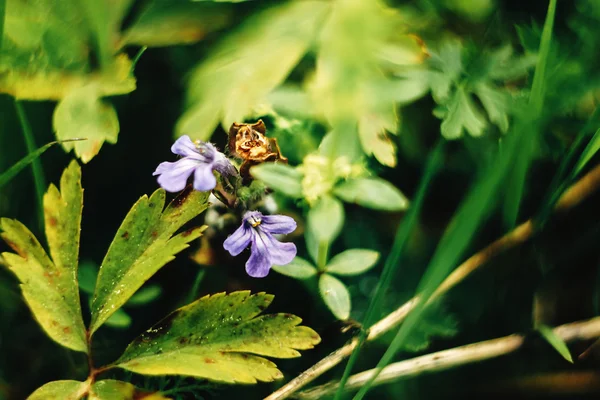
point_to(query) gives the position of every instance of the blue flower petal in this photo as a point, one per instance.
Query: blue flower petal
(259, 263)
(280, 253)
(238, 241)
(223, 165)
(185, 147)
(277, 224)
(204, 179)
(173, 175)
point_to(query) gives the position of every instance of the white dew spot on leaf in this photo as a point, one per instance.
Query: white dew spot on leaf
(222, 338)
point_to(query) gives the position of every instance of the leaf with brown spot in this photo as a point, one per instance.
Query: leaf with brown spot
(144, 243)
(49, 285)
(111, 389)
(211, 339)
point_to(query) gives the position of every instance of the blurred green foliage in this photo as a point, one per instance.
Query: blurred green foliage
(358, 94)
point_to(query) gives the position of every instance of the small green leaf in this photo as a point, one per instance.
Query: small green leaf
(555, 341)
(590, 150)
(145, 295)
(82, 113)
(462, 115)
(60, 390)
(434, 322)
(299, 268)
(373, 193)
(110, 389)
(119, 320)
(352, 262)
(325, 219)
(142, 245)
(87, 275)
(50, 286)
(279, 177)
(220, 337)
(495, 103)
(336, 296)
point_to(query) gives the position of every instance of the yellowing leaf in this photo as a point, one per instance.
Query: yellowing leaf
(142, 245)
(248, 64)
(82, 114)
(50, 286)
(110, 389)
(220, 337)
(60, 390)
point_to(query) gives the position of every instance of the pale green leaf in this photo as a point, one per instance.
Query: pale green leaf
(462, 115)
(352, 262)
(145, 295)
(142, 245)
(279, 177)
(119, 320)
(171, 23)
(495, 103)
(299, 268)
(556, 342)
(50, 286)
(60, 390)
(590, 150)
(248, 64)
(220, 337)
(82, 114)
(110, 389)
(373, 193)
(325, 219)
(336, 296)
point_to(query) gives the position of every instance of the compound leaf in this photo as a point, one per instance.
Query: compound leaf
(50, 285)
(220, 337)
(142, 245)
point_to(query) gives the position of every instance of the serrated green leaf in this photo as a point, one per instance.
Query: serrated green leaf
(110, 389)
(171, 23)
(495, 103)
(590, 150)
(325, 219)
(119, 320)
(336, 296)
(60, 390)
(373, 193)
(556, 342)
(462, 115)
(220, 337)
(142, 245)
(145, 295)
(50, 286)
(434, 322)
(248, 64)
(352, 262)
(299, 268)
(82, 114)
(280, 177)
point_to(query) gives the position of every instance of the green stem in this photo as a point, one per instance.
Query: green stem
(322, 255)
(2, 16)
(196, 285)
(36, 165)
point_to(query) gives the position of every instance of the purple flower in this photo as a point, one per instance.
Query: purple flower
(266, 251)
(200, 159)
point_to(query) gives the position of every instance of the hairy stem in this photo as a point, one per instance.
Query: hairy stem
(578, 192)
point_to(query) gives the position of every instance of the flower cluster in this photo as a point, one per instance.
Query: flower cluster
(202, 160)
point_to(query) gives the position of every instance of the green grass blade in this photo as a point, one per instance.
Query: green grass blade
(518, 173)
(10, 173)
(2, 14)
(36, 165)
(393, 260)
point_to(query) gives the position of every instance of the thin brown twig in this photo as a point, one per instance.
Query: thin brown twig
(445, 359)
(574, 195)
